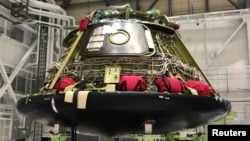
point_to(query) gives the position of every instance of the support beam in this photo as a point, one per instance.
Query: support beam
(169, 7)
(7, 82)
(19, 9)
(246, 3)
(17, 68)
(65, 4)
(151, 6)
(134, 4)
(67, 59)
(85, 4)
(206, 5)
(234, 4)
(108, 2)
(230, 38)
(205, 40)
(227, 41)
(248, 39)
(148, 126)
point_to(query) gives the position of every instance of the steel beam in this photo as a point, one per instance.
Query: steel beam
(234, 4)
(19, 9)
(230, 38)
(134, 4)
(15, 71)
(227, 41)
(7, 83)
(206, 6)
(169, 7)
(104, 2)
(248, 40)
(246, 3)
(151, 6)
(66, 4)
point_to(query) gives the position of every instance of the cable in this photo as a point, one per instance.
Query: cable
(74, 118)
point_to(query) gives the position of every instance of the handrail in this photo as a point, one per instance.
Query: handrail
(211, 15)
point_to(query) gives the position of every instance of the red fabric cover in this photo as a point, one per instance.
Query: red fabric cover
(169, 84)
(63, 83)
(131, 83)
(201, 87)
(83, 24)
(176, 26)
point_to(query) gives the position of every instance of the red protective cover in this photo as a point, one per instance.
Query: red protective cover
(201, 87)
(83, 24)
(131, 83)
(63, 83)
(169, 84)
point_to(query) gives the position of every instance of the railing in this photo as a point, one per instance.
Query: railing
(222, 15)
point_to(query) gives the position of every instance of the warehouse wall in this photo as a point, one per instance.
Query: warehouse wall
(213, 40)
(219, 41)
(79, 8)
(12, 38)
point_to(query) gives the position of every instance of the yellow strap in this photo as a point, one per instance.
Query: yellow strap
(66, 59)
(69, 96)
(82, 99)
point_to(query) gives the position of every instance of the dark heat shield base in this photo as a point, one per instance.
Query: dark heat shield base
(113, 114)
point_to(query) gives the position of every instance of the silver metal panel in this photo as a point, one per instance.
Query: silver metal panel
(124, 38)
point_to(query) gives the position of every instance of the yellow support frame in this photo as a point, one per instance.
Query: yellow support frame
(67, 59)
(185, 54)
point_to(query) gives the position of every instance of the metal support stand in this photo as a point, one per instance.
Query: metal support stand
(19, 9)
(74, 119)
(148, 126)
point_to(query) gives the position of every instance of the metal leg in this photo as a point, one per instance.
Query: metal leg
(74, 120)
(148, 126)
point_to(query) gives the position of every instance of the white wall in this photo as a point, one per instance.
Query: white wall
(220, 45)
(219, 41)
(11, 51)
